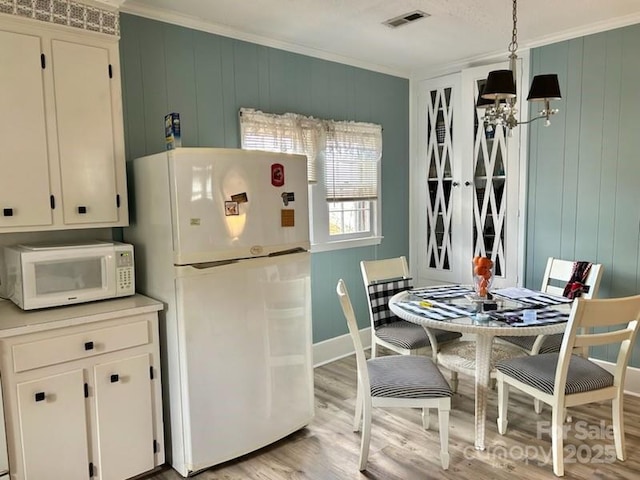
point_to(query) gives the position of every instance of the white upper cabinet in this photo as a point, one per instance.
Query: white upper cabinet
(63, 139)
(25, 157)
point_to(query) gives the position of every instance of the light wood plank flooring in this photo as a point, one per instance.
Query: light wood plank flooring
(400, 450)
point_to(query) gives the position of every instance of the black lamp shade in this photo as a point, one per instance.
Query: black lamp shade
(486, 102)
(483, 102)
(544, 87)
(499, 85)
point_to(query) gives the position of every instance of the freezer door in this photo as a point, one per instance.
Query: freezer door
(232, 203)
(246, 355)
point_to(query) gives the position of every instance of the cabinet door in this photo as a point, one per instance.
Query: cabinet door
(53, 427)
(494, 169)
(124, 428)
(24, 183)
(438, 180)
(85, 132)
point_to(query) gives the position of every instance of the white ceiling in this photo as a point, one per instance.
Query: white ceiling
(351, 31)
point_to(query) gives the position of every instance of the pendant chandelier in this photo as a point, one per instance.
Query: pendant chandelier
(499, 95)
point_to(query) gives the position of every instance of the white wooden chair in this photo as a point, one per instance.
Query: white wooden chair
(395, 381)
(383, 279)
(556, 275)
(564, 379)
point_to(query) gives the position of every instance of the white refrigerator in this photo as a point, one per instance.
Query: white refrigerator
(221, 236)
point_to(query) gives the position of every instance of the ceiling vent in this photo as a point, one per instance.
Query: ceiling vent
(405, 19)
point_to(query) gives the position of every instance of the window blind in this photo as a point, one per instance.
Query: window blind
(352, 155)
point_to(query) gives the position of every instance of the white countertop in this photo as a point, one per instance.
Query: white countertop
(15, 321)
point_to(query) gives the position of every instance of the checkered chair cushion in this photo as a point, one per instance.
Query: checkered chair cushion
(392, 328)
(539, 371)
(379, 295)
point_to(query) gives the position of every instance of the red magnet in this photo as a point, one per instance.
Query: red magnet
(277, 175)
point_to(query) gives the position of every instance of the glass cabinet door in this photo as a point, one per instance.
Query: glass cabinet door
(438, 232)
(489, 181)
(439, 182)
(493, 158)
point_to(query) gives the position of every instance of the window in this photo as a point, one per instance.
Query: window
(343, 161)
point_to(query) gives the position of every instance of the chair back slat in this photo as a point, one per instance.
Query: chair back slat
(559, 271)
(377, 270)
(621, 314)
(602, 338)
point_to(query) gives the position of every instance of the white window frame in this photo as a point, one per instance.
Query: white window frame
(321, 239)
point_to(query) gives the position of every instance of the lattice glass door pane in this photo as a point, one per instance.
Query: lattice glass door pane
(490, 180)
(439, 135)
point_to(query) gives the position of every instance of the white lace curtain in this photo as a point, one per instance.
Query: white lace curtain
(350, 151)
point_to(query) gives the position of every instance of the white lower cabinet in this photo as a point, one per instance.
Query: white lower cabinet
(84, 402)
(124, 421)
(53, 426)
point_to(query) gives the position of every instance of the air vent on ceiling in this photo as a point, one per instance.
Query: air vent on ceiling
(405, 19)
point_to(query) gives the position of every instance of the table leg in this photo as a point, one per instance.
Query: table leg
(483, 368)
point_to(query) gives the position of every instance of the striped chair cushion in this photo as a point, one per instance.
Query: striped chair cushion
(539, 371)
(404, 376)
(411, 336)
(551, 343)
(379, 295)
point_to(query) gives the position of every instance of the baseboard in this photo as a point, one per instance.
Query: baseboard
(338, 347)
(631, 381)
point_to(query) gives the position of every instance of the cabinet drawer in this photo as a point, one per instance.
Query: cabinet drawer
(27, 356)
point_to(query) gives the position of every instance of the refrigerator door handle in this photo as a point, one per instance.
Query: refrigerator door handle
(287, 252)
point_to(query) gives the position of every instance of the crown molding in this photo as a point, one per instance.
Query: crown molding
(226, 31)
(598, 27)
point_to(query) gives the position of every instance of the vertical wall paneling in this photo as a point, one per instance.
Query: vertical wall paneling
(587, 180)
(207, 78)
(584, 200)
(181, 80)
(208, 90)
(609, 155)
(574, 52)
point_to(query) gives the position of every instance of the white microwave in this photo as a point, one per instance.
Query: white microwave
(50, 275)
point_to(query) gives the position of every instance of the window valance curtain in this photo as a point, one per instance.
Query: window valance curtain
(349, 151)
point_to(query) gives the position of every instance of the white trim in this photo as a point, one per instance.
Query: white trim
(415, 74)
(611, 24)
(226, 31)
(336, 348)
(632, 378)
(342, 244)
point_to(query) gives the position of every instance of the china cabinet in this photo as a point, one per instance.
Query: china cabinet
(465, 184)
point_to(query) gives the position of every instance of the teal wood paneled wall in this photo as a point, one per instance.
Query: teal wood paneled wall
(584, 169)
(207, 78)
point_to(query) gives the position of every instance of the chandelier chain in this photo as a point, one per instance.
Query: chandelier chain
(513, 46)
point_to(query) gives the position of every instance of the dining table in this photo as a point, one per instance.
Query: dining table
(456, 308)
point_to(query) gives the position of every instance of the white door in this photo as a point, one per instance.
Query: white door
(53, 427)
(124, 417)
(85, 132)
(227, 204)
(246, 366)
(438, 183)
(493, 170)
(24, 185)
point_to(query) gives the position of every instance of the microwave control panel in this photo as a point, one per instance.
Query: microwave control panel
(124, 273)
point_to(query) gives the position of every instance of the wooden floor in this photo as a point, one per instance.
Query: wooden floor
(400, 450)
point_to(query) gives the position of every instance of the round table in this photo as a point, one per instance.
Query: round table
(484, 331)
